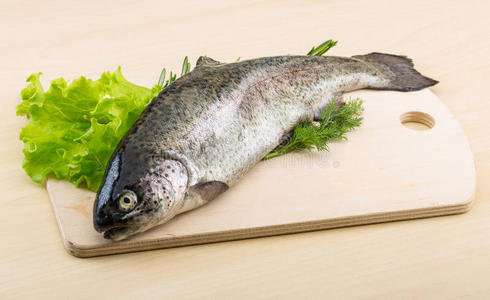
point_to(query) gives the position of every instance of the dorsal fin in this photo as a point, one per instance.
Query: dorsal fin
(207, 61)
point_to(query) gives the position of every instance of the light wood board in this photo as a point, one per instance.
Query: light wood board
(384, 172)
(432, 258)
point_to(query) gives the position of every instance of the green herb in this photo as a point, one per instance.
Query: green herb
(334, 122)
(186, 68)
(322, 48)
(73, 128)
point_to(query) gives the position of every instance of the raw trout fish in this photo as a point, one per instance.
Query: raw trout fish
(206, 129)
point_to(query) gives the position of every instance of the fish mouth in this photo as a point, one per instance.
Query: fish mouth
(112, 233)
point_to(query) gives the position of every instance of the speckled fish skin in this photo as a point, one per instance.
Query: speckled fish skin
(206, 129)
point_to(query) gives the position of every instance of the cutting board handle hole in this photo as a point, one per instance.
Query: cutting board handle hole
(417, 120)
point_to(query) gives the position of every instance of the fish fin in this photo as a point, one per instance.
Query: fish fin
(399, 70)
(209, 190)
(207, 61)
(201, 193)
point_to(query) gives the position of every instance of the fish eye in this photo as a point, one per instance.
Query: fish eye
(127, 200)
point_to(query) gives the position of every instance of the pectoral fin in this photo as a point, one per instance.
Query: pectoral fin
(202, 193)
(210, 190)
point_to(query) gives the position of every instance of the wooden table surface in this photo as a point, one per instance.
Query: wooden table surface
(446, 257)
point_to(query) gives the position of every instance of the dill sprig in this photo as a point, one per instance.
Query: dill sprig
(334, 122)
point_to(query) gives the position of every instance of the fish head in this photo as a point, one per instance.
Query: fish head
(124, 207)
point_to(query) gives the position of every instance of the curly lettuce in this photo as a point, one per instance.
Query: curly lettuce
(73, 128)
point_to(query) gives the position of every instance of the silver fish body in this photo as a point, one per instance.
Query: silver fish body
(205, 130)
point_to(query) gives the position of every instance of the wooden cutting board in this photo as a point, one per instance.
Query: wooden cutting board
(384, 172)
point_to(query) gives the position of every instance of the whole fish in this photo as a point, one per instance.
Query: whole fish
(206, 129)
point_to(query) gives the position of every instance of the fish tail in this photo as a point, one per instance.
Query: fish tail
(399, 70)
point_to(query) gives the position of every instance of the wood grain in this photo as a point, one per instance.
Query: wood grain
(385, 172)
(437, 258)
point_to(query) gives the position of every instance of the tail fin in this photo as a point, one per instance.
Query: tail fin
(399, 70)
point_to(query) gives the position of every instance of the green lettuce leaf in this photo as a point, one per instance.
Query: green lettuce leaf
(73, 128)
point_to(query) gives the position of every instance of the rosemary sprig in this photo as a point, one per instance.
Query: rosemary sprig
(322, 48)
(186, 68)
